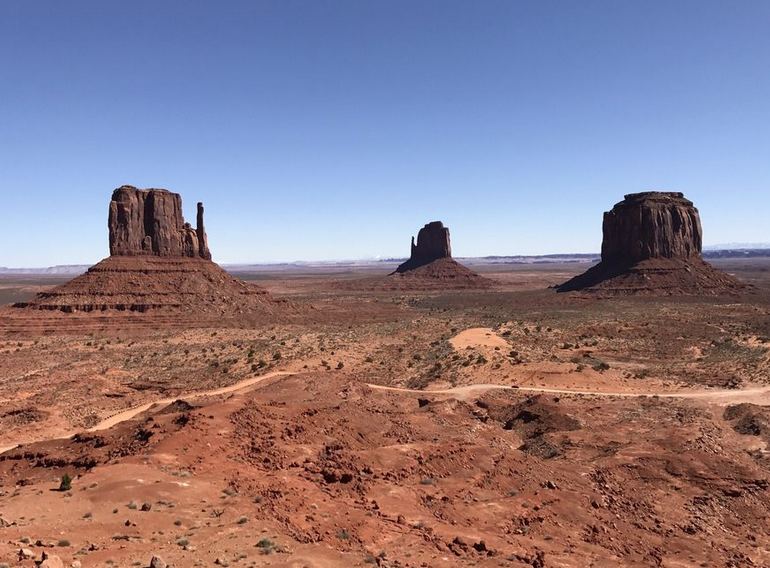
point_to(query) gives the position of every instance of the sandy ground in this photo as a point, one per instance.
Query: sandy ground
(505, 427)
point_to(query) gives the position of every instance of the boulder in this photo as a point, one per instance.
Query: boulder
(51, 561)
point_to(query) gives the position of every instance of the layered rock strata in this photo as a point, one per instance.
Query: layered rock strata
(150, 222)
(157, 261)
(652, 244)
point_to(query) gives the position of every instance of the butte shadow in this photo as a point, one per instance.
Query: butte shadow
(157, 262)
(651, 245)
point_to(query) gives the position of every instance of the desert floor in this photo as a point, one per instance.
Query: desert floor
(506, 427)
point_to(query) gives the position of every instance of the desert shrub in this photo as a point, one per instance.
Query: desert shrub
(66, 483)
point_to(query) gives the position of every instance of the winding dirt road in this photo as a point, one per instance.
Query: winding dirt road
(757, 395)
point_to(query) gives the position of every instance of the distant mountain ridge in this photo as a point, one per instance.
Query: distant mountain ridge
(737, 246)
(734, 250)
(63, 270)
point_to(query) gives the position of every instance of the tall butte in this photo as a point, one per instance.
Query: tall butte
(150, 222)
(652, 244)
(431, 265)
(157, 262)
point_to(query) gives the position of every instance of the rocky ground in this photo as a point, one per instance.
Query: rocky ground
(512, 426)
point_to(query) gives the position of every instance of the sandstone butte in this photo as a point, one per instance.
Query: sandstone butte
(157, 262)
(652, 243)
(431, 265)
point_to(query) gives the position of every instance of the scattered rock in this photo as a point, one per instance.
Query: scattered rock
(157, 562)
(749, 419)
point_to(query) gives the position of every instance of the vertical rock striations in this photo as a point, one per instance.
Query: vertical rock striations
(150, 222)
(651, 225)
(652, 245)
(157, 262)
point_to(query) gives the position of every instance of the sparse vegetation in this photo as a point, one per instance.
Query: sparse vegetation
(65, 484)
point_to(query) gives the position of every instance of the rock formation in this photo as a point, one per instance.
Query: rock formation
(652, 244)
(431, 266)
(651, 225)
(157, 261)
(150, 222)
(432, 244)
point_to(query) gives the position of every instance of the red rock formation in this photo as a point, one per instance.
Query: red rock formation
(652, 245)
(431, 265)
(150, 222)
(157, 262)
(651, 225)
(432, 244)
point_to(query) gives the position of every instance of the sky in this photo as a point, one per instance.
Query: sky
(319, 130)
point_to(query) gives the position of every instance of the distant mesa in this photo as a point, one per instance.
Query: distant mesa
(652, 243)
(157, 261)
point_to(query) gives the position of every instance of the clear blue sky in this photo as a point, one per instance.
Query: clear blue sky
(335, 129)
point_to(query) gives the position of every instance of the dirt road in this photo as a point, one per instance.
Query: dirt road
(757, 395)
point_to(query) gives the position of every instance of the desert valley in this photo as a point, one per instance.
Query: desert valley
(157, 410)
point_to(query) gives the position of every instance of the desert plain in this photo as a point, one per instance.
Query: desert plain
(357, 426)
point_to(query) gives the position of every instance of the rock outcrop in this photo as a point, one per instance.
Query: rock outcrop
(150, 222)
(432, 244)
(431, 266)
(652, 244)
(651, 225)
(157, 262)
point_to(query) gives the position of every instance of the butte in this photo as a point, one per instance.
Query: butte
(651, 245)
(431, 265)
(157, 263)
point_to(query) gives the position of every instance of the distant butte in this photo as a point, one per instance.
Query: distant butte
(431, 265)
(157, 262)
(652, 244)
(432, 244)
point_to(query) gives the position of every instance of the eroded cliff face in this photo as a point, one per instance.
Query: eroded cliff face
(652, 245)
(150, 222)
(651, 225)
